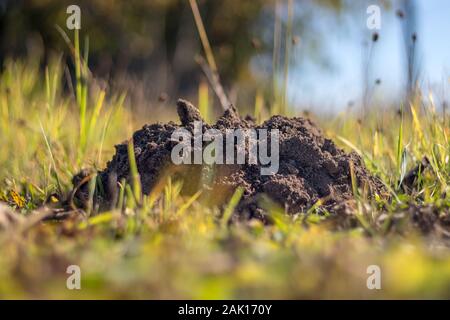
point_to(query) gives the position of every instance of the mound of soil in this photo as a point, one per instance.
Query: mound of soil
(311, 167)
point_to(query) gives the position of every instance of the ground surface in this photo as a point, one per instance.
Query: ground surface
(171, 245)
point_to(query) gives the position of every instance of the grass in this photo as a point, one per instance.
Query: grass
(164, 245)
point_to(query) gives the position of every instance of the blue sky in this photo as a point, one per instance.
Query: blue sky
(313, 86)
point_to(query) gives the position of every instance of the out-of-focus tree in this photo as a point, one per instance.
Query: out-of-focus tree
(137, 36)
(157, 40)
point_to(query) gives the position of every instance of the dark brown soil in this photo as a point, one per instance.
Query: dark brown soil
(311, 167)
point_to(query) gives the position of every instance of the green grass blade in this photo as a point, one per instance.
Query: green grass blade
(231, 206)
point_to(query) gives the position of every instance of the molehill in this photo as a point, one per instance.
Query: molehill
(311, 167)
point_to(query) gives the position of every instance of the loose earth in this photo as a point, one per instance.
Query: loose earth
(311, 167)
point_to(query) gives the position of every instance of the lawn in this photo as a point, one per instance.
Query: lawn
(165, 245)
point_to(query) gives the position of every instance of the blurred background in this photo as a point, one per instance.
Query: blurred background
(316, 55)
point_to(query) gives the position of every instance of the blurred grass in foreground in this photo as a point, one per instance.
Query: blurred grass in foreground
(167, 246)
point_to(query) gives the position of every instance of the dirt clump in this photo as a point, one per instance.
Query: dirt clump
(311, 167)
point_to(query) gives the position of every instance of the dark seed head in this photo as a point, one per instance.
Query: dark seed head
(378, 81)
(400, 14)
(375, 36)
(414, 37)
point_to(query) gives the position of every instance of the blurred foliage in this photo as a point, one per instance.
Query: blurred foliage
(135, 36)
(148, 39)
